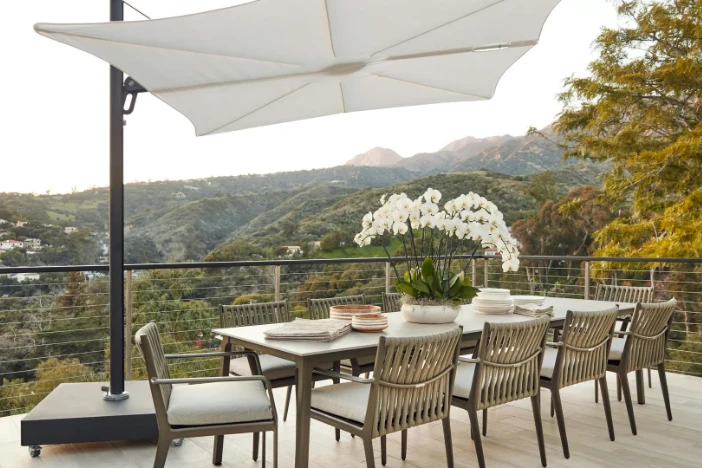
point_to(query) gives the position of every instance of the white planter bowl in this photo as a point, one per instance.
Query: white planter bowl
(429, 314)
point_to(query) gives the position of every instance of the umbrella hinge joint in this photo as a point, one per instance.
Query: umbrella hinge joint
(130, 90)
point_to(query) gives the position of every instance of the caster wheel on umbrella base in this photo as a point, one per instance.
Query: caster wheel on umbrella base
(178, 442)
(34, 451)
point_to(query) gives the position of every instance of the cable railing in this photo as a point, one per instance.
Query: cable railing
(55, 329)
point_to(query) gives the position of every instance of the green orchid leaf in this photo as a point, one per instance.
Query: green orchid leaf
(468, 292)
(406, 289)
(428, 270)
(421, 286)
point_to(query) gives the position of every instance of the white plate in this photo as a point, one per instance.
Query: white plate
(492, 311)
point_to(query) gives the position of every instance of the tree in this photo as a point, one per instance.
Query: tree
(542, 187)
(641, 110)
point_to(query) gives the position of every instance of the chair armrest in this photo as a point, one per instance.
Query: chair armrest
(619, 332)
(197, 380)
(469, 360)
(554, 344)
(339, 375)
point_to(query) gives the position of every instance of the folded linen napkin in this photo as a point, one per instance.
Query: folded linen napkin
(533, 310)
(310, 330)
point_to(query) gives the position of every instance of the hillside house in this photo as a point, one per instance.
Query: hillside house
(179, 195)
(33, 244)
(22, 277)
(11, 244)
(292, 250)
(316, 245)
(69, 229)
(4, 221)
(21, 223)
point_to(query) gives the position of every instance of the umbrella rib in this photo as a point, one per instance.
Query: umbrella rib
(438, 27)
(329, 28)
(83, 36)
(343, 99)
(429, 86)
(257, 109)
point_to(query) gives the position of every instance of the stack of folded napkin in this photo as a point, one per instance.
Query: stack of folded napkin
(310, 330)
(533, 310)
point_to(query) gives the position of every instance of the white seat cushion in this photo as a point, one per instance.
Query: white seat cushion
(464, 380)
(273, 368)
(347, 400)
(218, 403)
(550, 355)
(615, 352)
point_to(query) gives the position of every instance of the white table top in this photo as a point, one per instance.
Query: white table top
(471, 321)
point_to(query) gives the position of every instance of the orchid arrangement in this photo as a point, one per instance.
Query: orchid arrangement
(433, 239)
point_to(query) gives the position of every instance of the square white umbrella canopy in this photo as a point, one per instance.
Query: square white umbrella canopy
(272, 61)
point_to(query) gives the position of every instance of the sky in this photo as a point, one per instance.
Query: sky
(54, 116)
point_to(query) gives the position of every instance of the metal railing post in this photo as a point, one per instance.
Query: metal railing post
(388, 276)
(587, 280)
(128, 326)
(276, 282)
(485, 272)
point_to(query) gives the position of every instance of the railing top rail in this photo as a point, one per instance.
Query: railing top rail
(322, 261)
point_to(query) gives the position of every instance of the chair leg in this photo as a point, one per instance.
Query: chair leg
(404, 445)
(162, 452)
(619, 390)
(263, 449)
(552, 408)
(650, 385)
(256, 437)
(275, 447)
(596, 393)
(664, 389)
(485, 417)
(555, 394)
(287, 403)
(640, 387)
(475, 429)
(383, 450)
(627, 399)
(535, 408)
(607, 407)
(446, 422)
(370, 456)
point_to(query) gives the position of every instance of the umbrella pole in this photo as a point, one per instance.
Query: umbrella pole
(116, 225)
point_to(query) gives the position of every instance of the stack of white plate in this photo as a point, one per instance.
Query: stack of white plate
(493, 301)
(526, 300)
(369, 323)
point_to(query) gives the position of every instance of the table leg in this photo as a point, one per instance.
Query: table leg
(219, 440)
(304, 389)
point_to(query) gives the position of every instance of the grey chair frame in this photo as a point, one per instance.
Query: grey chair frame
(319, 309)
(522, 361)
(155, 358)
(391, 302)
(425, 397)
(645, 347)
(582, 356)
(635, 294)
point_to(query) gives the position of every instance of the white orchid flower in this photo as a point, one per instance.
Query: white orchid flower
(427, 221)
(399, 228)
(450, 206)
(382, 199)
(429, 208)
(405, 204)
(432, 196)
(511, 265)
(400, 216)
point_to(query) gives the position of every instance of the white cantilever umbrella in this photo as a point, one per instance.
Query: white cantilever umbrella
(272, 61)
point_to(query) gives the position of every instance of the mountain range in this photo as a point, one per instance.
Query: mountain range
(512, 155)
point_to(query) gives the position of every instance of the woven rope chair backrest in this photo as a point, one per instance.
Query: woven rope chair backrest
(606, 292)
(319, 308)
(645, 346)
(391, 302)
(510, 357)
(246, 315)
(149, 343)
(587, 337)
(413, 381)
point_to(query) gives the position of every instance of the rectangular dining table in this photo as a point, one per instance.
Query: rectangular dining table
(307, 355)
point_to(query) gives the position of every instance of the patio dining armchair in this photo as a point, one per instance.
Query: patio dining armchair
(505, 368)
(208, 408)
(643, 346)
(619, 294)
(391, 302)
(580, 356)
(319, 309)
(411, 386)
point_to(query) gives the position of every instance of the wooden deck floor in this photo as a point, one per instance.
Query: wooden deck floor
(511, 440)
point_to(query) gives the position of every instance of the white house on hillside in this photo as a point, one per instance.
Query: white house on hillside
(11, 244)
(69, 229)
(292, 250)
(21, 223)
(32, 244)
